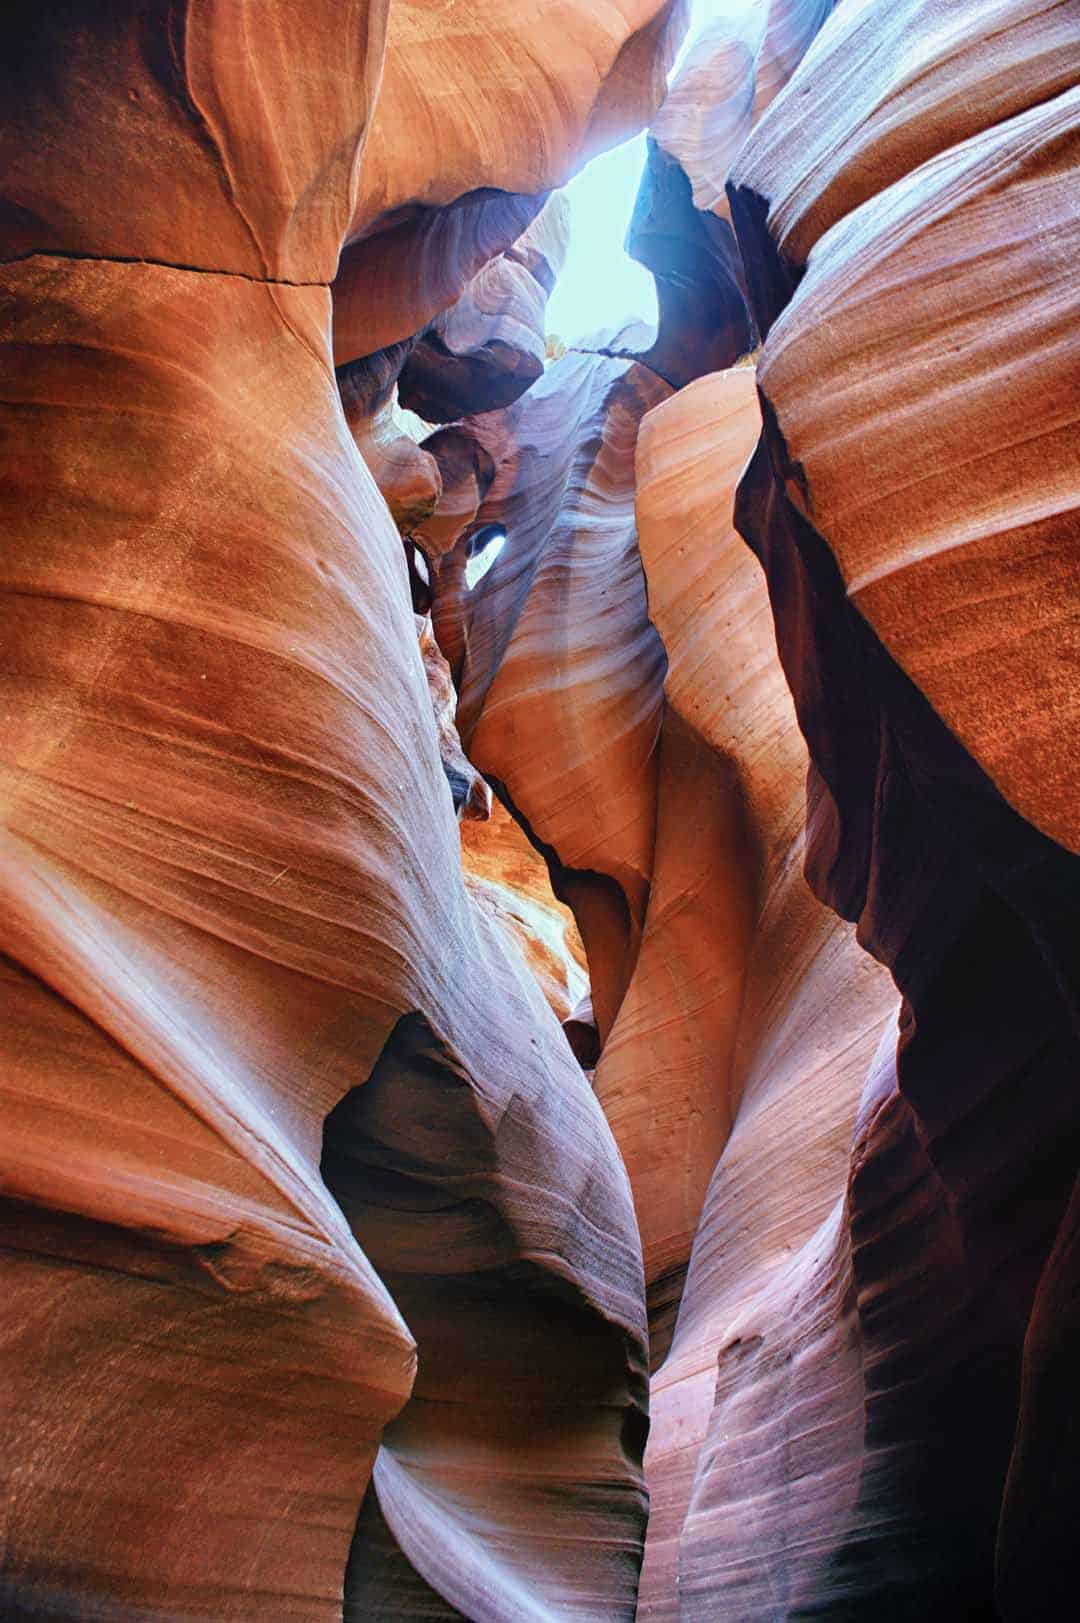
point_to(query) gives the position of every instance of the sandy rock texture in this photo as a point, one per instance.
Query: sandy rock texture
(762, 1383)
(241, 960)
(858, 1261)
(939, 817)
(539, 897)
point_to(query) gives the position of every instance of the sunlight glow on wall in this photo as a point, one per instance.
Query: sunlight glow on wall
(600, 285)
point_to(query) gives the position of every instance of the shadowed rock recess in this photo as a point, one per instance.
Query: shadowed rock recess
(539, 991)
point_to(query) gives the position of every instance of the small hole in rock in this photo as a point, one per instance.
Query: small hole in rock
(483, 549)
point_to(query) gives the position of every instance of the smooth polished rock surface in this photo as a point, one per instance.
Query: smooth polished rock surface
(459, 1027)
(238, 935)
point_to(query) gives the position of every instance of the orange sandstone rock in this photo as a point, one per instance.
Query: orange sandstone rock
(523, 96)
(233, 857)
(882, 93)
(938, 816)
(408, 477)
(908, 457)
(221, 135)
(559, 628)
(324, 1260)
(754, 1083)
(241, 961)
(508, 879)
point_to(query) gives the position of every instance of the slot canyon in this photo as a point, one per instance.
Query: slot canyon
(540, 870)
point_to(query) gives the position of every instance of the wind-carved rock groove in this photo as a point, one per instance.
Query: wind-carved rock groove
(334, 1280)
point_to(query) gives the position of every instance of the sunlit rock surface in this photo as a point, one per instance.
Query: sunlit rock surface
(488, 347)
(732, 72)
(964, 487)
(520, 873)
(940, 815)
(238, 934)
(481, 112)
(884, 89)
(559, 628)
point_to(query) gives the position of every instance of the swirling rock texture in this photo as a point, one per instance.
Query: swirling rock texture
(681, 229)
(352, 1179)
(922, 598)
(559, 626)
(482, 352)
(480, 113)
(745, 1014)
(775, 1047)
(488, 347)
(408, 477)
(833, 1425)
(238, 944)
(733, 71)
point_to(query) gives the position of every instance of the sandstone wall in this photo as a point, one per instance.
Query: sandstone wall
(451, 1025)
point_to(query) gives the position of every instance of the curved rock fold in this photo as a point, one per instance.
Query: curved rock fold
(545, 1090)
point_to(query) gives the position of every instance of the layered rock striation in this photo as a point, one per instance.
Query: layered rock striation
(453, 1024)
(237, 930)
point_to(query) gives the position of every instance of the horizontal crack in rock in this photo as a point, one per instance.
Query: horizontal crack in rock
(164, 264)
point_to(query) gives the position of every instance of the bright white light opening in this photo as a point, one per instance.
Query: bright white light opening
(600, 286)
(484, 548)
